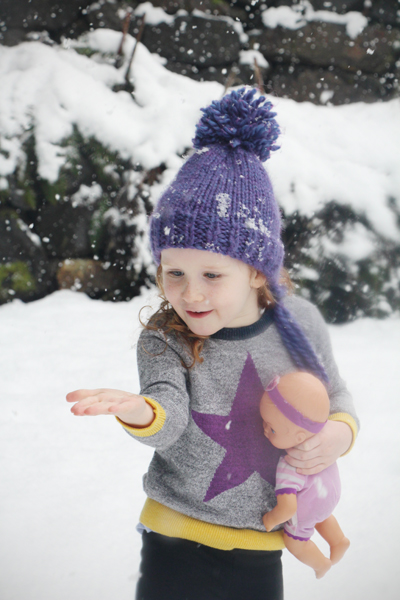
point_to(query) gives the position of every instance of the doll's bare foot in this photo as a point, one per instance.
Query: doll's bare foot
(323, 569)
(338, 550)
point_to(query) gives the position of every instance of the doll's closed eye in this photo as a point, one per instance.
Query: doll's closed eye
(268, 428)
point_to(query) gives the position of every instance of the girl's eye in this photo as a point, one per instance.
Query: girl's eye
(175, 273)
(212, 275)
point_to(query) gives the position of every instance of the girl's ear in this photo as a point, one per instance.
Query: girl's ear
(257, 279)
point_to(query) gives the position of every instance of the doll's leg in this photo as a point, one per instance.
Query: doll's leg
(331, 532)
(308, 553)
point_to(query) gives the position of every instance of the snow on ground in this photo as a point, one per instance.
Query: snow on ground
(71, 487)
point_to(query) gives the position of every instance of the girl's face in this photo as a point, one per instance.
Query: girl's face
(210, 291)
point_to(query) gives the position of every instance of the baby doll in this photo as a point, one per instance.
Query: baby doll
(294, 408)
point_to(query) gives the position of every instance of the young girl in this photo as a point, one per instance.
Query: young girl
(226, 326)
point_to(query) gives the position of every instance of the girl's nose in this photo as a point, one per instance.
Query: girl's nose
(192, 293)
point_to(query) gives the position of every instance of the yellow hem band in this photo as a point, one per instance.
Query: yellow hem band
(169, 522)
(154, 426)
(348, 419)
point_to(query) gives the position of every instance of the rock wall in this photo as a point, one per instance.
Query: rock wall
(337, 52)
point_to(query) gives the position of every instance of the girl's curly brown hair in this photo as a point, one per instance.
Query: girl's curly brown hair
(165, 319)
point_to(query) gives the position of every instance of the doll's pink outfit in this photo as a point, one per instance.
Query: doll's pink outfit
(317, 497)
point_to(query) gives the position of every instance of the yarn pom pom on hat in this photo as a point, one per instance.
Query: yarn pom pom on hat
(221, 199)
(239, 120)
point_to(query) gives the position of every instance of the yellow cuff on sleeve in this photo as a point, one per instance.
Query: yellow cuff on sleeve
(348, 419)
(155, 426)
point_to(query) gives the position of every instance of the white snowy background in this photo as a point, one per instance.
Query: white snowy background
(71, 487)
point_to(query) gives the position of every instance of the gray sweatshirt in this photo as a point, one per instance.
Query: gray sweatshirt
(212, 461)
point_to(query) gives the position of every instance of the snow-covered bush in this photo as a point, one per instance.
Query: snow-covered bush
(81, 165)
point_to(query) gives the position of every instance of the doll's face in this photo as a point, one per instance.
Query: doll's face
(281, 432)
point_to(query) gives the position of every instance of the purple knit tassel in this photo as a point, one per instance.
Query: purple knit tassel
(296, 341)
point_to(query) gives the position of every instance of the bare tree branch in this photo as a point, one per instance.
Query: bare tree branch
(125, 29)
(259, 78)
(138, 38)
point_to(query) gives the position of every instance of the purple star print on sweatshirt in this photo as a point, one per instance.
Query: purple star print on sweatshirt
(241, 433)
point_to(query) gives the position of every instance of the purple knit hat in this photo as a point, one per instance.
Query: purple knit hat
(222, 200)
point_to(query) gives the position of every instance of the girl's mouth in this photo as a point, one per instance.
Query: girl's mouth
(198, 315)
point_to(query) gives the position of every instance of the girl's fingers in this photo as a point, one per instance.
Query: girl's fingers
(301, 463)
(80, 408)
(99, 408)
(94, 407)
(101, 394)
(305, 460)
(85, 398)
(311, 444)
(312, 470)
(303, 455)
(308, 450)
(85, 403)
(79, 395)
(321, 450)
(120, 405)
(104, 403)
(307, 467)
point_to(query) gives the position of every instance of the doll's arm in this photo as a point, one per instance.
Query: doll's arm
(285, 508)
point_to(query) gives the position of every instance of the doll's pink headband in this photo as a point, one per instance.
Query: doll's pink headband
(289, 411)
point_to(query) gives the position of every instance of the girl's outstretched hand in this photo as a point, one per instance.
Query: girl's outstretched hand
(322, 449)
(130, 408)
